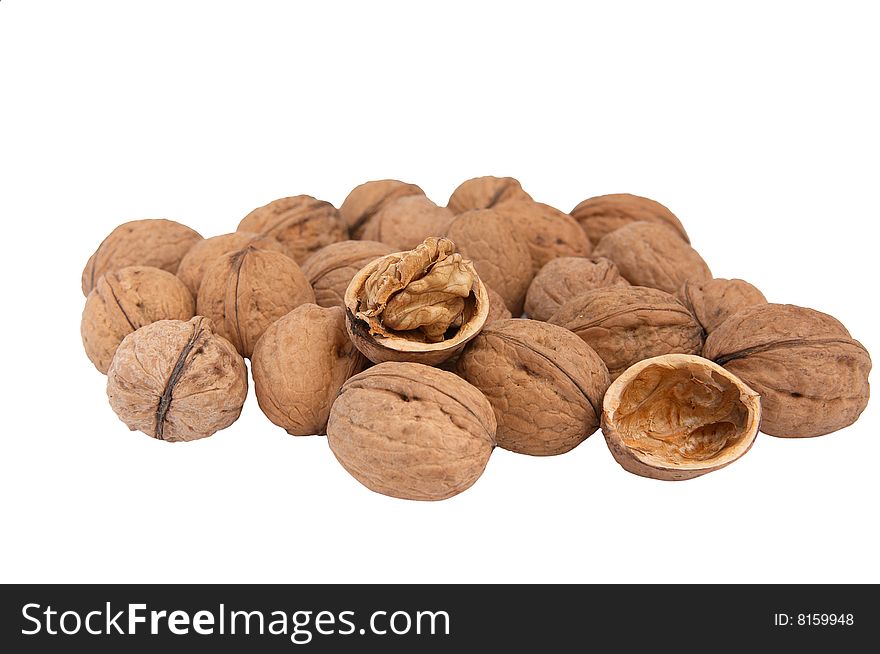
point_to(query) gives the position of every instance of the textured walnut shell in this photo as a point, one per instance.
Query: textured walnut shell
(331, 269)
(152, 242)
(811, 374)
(485, 193)
(177, 381)
(497, 309)
(299, 365)
(606, 213)
(300, 223)
(563, 278)
(543, 382)
(501, 256)
(125, 300)
(244, 292)
(713, 301)
(652, 255)
(626, 324)
(407, 221)
(679, 416)
(366, 200)
(411, 431)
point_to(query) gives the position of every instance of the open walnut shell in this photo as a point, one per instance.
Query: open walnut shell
(603, 214)
(679, 416)
(422, 305)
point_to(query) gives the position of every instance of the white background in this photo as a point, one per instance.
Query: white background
(757, 125)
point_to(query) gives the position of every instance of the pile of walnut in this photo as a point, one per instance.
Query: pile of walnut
(400, 344)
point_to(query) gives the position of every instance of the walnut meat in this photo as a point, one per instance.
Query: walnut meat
(811, 374)
(366, 200)
(301, 223)
(713, 301)
(602, 215)
(299, 365)
(543, 382)
(625, 324)
(244, 292)
(679, 416)
(152, 242)
(177, 381)
(331, 269)
(125, 300)
(411, 431)
(407, 221)
(485, 193)
(566, 277)
(648, 254)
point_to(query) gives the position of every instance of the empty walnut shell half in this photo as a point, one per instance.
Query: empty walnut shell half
(331, 269)
(713, 301)
(543, 382)
(563, 278)
(811, 374)
(679, 416)
(604, 214)
(422, 305)
(177, 381)
(411, 431)
(485, 193)
(367, 199)
(125, 300)
(408, 221)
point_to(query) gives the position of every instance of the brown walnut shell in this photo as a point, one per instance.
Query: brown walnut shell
(497, 309)
(152, 242)
(563, 278)
(811, 374)
(543, 382)
(485, 193)
(679, 416)
(713, 301)
(411, 431)
(331, 269)
(653, 255)
(299, 365)
(626, 324)
(300, 223)
(177, 381)
(604, 214)
(244, 292)
(125, 300)
(366, 200)
(407, 221)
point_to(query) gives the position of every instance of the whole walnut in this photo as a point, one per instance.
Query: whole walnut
(411, 431)
(603, 214)
(177, 381)
(652, 255)
(299, 365)
(500, 255)
(626, 324)
(713, 301)
(125, 300)
(497, 309)
(563, 278)
(301, 223)
(543, 382)
(366, 200)
(811, 375)
(407, 221)
(485, 193)
(152, 242)
(331, 269)
(244, 292)
(549, 232)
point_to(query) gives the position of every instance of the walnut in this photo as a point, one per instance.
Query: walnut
(411, 431)
(679, 416)
(485, 193)
(811, 374)
(407, 221)
(301, 223)
(177, 381)
(626, 324)
(566, 277)
(244, 292)
(603, 214)
(331, 269)
(152, 242)
(713, 301)
(500, 256)
(652, 255)
(125, 300)
(422, 305)
(366, 200)
(497, 309)
(543, 382)
(299, 365)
